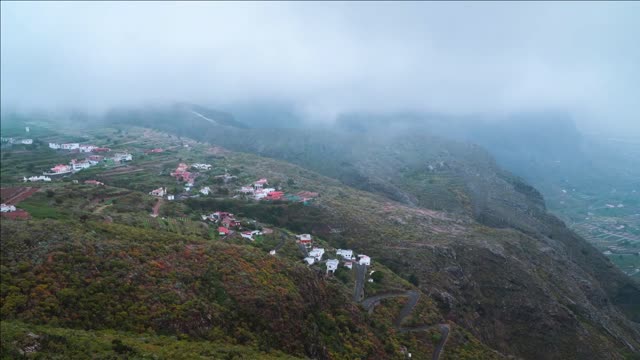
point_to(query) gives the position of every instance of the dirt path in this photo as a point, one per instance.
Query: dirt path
(204, 117)
(100, 208)
(16, 195)
(156, 207)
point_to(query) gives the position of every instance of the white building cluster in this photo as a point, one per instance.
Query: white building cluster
(36, 178)
(11, 140)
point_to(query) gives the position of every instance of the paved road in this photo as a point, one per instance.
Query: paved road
(303, 250)
(414, 296)
(283, 238)
(370, 302)
(358, 292)
(444, 336)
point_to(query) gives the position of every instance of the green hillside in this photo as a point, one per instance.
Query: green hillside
(474, 242)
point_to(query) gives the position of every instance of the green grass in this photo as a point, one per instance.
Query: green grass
(40, 210)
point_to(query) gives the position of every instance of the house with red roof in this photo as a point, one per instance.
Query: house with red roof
(304, 239)
(160, 192)
(364, 260)
(60, 169)
(223, 231)
(230, 222)
(275, 195)
(260, 183)
(96, 158)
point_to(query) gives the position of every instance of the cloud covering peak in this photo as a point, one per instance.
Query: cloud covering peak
(327, 58)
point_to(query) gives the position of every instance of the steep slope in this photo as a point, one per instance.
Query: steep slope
(475, 237)
(518, 290)
(106, 276)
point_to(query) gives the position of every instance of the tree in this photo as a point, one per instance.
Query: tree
(377, 276)
(413, 279)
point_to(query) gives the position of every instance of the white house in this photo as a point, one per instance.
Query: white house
(259, 194)
(201, 166)
(364, 260)
(171, 197)
(160, 192)
(310, 260)
(246, 190)
(317, 253)
(87, 148)
(79, 165)
(272, 252)
(55, 146)
(26, 141)
(70, 146)
(250, 234)
(260, 183)
(346, 254)
(332, 265)
(7, 208)
(304, 237)
(122, 157)
(38, 178)
(205, 190)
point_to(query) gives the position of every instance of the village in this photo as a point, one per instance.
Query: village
(229, 225)
(226, 224)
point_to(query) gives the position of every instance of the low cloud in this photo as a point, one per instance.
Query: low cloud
(328, 58)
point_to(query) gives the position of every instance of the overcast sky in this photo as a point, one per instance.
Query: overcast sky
(327, 58)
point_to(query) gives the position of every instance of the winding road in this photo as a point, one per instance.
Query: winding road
(414, 296)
